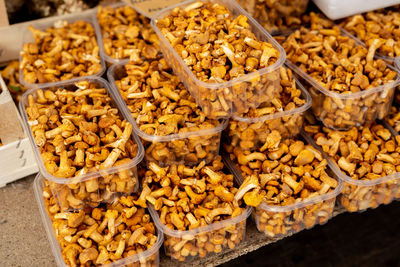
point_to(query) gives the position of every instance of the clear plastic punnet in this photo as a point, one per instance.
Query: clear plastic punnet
(397, 63)
(181, 148)
(28, 38)
(221, 99)
(148, 258)
(200, 242)
(343, 111)
(276, 17)
(109, 59)
(90, 188)
(279, 221)
(287, 123)
(203, 241)
(390, 60)
(359, 195)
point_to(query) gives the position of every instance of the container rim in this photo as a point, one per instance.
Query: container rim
(77, 179)
(342, 176)
(281, 114)
(274, 208)
(55, 246)
(46, 24)
(232, 6)
(158, 138)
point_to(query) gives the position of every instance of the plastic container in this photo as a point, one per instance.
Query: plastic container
(276, 17)
(180, 148)
(71, 193)
(239, 94)
(343, 111)
(110, 60)
(359, 195)
(337, 9)
(390, 60)
(148, 258)
(287, 123)
(280, 221)
(204, 241)
(42, 25)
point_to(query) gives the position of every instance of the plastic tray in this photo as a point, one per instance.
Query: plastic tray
(390, 60)
(176, 153)
(337, 9)
(273, 19)
(64, 188)
(42, 25)
(110, 60)
(280, 221)
(342, 111)
(199, 242)
(149, 257)
(261, 85)
(359, 195)
(287, 123)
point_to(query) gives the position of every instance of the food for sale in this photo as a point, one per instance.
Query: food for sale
(10, 76)
(379, 26)
(394, 118)
(218, 47)
(194, 198)
(285, 173)
(367, 158)
(253, 129)
(62, 52)
(127, 34)
(78, 130)
(103, 235)
(162, 107)
(348, 84)
(276, 15)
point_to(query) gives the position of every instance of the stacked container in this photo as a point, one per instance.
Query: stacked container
(218, 101)
(343, 112)
(236, 95)
(76, 192)
(180, 147)
(148, 257)
(55, 22)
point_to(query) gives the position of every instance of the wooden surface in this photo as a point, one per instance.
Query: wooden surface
(3, 14)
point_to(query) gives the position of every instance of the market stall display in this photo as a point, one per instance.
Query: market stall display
(133, 163)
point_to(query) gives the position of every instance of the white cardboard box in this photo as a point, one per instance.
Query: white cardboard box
(337, 9)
